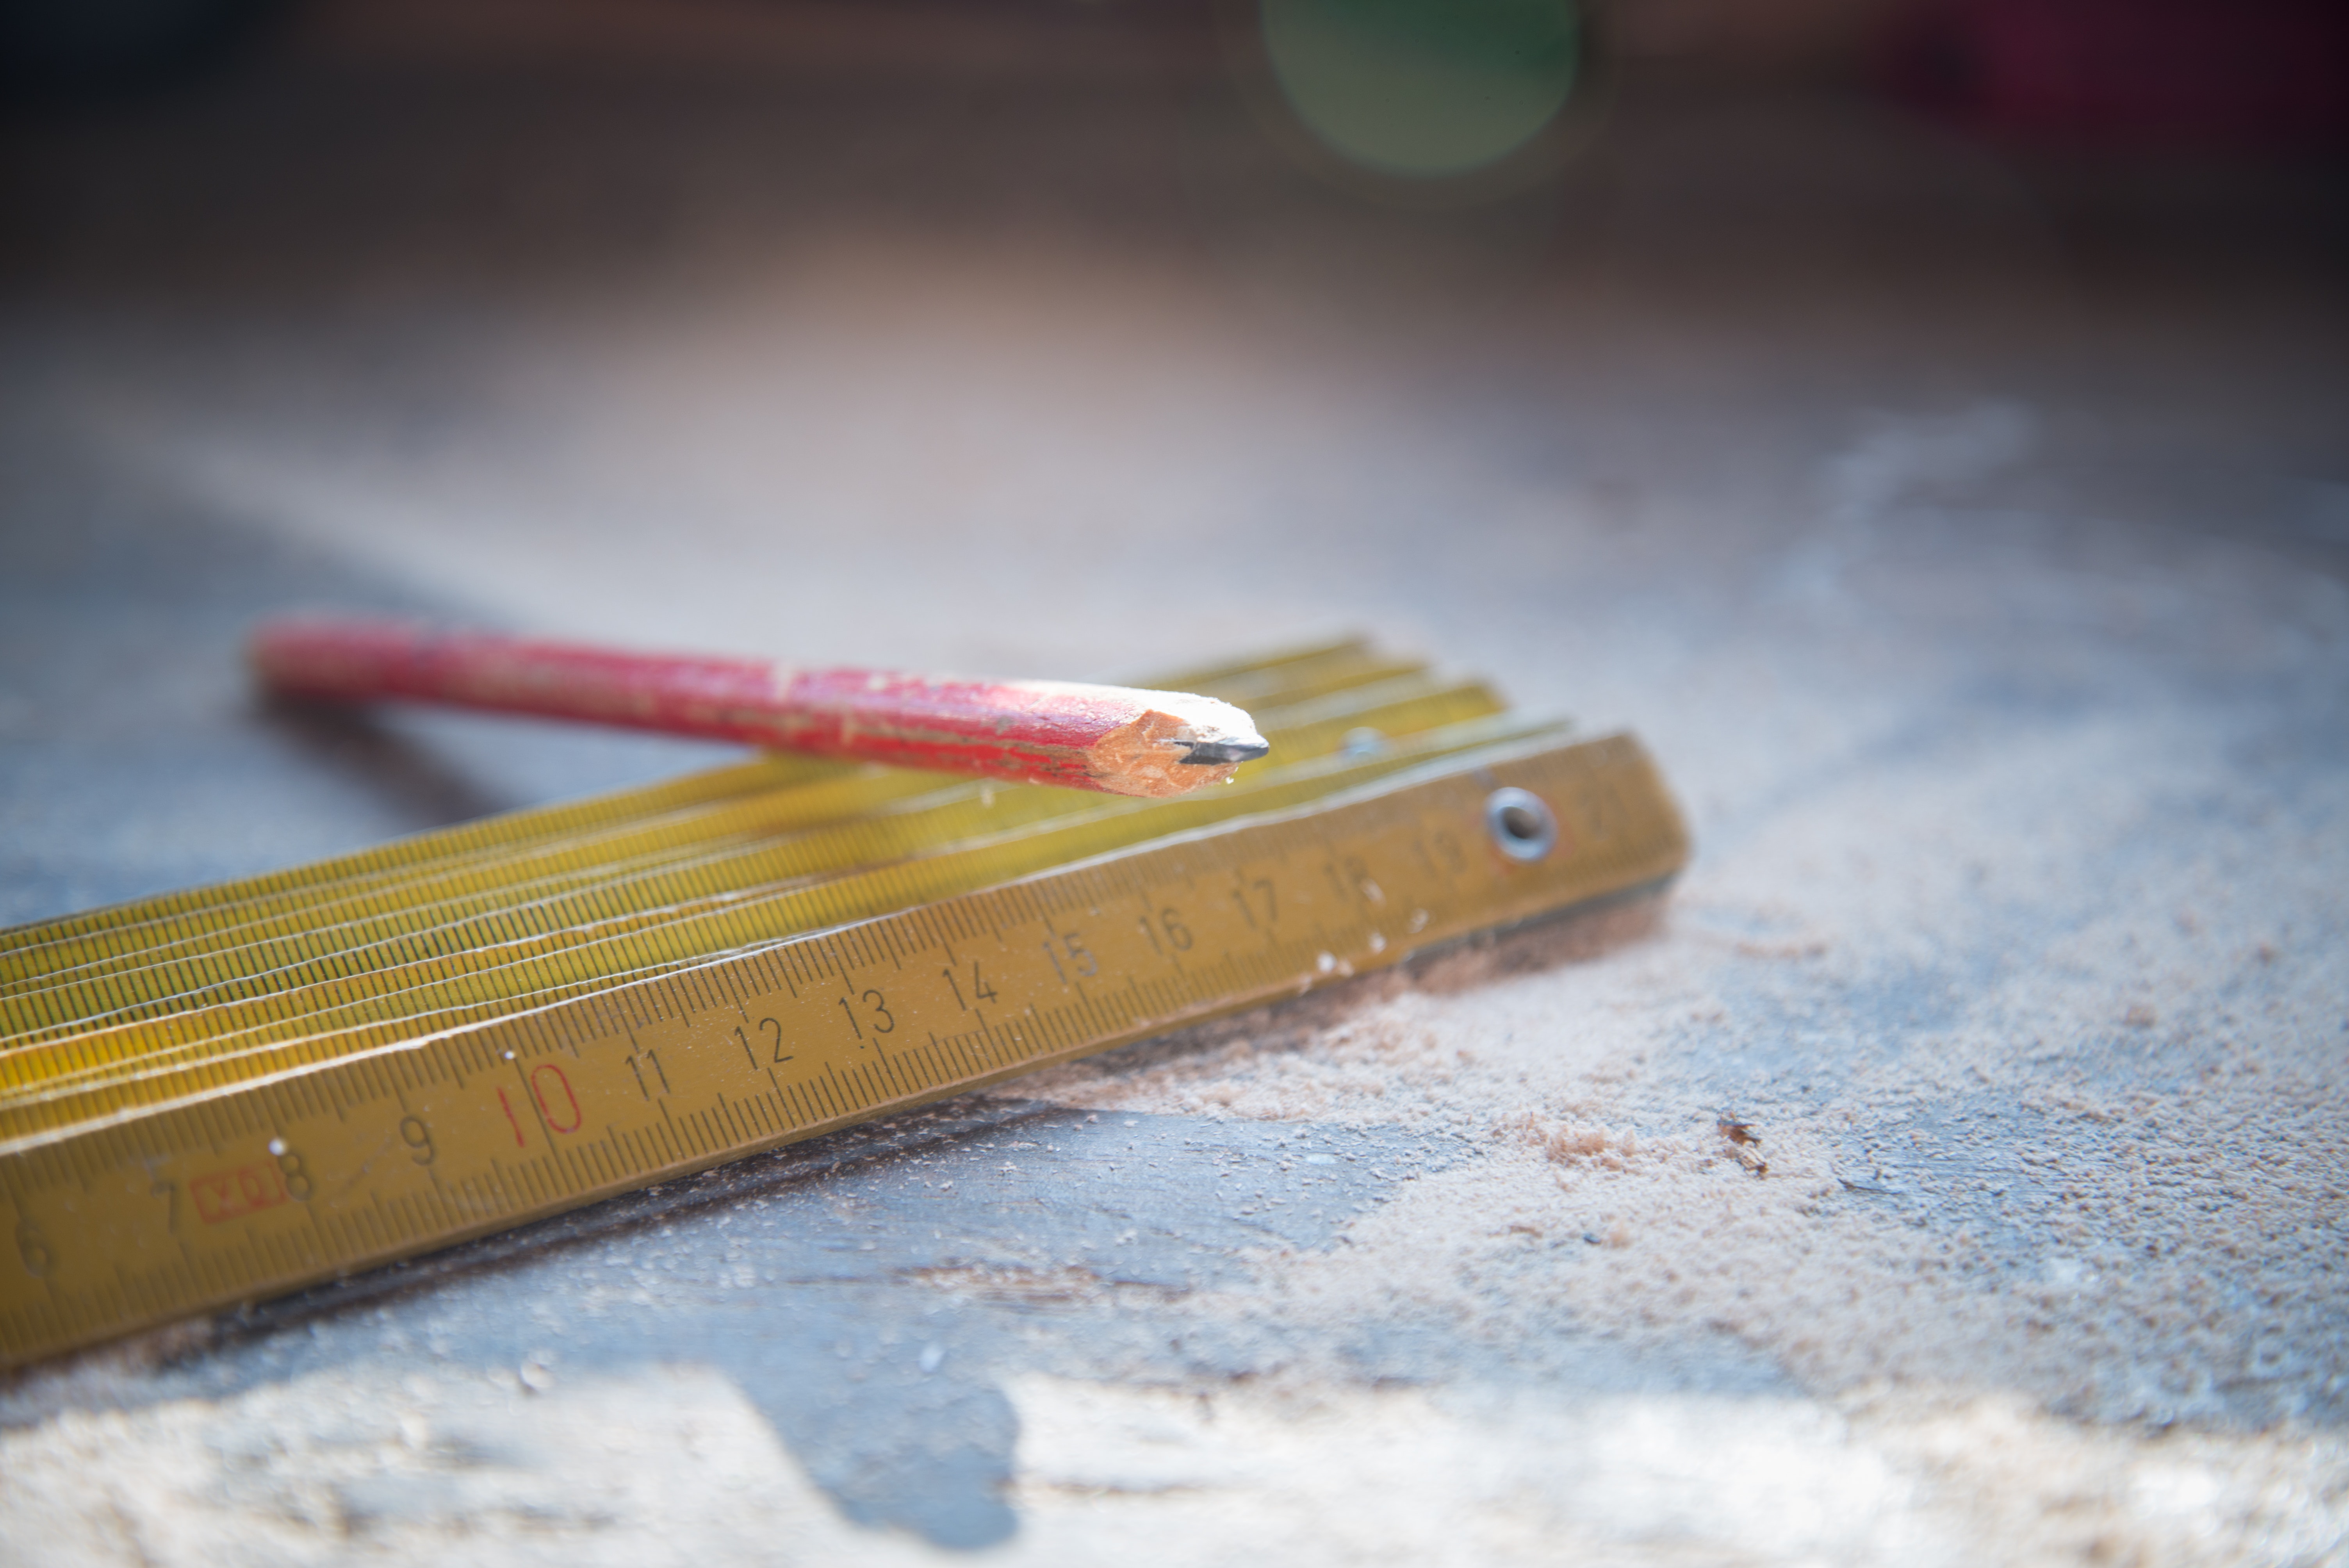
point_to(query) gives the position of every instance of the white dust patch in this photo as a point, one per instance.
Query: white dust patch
(669, 1465)
(1338, 1475)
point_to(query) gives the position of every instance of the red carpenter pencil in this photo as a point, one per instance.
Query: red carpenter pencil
(1114, 739)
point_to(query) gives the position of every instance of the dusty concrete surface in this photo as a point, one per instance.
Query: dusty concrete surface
(1967, 535)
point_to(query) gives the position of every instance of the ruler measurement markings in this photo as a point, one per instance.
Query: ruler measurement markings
(1055, 1030)
(764, 1111)
(827, 1088)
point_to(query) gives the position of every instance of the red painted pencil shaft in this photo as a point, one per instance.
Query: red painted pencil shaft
(1114, 739)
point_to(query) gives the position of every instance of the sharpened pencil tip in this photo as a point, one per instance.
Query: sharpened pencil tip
(1205, 752)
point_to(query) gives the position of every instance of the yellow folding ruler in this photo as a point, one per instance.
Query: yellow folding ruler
(214, 1096)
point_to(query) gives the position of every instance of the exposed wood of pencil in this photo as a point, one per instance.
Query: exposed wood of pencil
(1114, 739)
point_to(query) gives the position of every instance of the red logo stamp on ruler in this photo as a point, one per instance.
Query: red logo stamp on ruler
(233, 1195)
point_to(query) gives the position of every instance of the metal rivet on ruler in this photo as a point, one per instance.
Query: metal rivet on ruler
(1520, 823)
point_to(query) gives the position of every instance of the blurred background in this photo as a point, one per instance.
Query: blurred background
(1088, 337)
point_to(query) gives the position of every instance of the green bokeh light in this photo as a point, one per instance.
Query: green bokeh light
(1424, 87)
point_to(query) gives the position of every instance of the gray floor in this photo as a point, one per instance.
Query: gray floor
(1968, 535)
